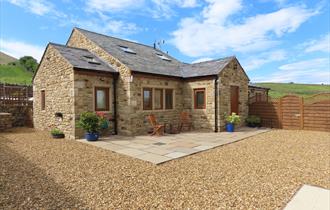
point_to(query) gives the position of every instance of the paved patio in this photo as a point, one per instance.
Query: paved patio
(310, 198)
(158, 150)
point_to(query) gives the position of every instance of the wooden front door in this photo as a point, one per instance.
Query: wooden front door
(234, 95)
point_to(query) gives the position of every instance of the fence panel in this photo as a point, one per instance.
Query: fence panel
(294, 112)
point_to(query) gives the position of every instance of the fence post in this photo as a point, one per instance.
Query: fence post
(280, 111)
(301, 113)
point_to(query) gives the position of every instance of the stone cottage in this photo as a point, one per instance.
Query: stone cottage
(129, 81)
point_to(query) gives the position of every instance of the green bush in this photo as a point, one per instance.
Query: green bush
(233, 118)
(253, 119)
(89, 122)
(56, 131)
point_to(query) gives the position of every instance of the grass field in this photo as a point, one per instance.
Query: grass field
(305, 90)
(15, 75)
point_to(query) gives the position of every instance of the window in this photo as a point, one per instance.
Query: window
(43, 100)
(168, 99)
(102, 99)
(199, 98)
(127, 49)
(158, 100)
(147, 98)
(163, 57)
(91, 60)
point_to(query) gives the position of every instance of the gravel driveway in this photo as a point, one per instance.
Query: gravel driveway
(261, 172)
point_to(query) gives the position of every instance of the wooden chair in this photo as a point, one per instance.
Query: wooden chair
(157, 128)
(185, 121)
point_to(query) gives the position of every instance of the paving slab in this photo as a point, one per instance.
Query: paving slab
(161, 149)
(310, 198)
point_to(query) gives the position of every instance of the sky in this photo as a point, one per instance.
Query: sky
(274, 40)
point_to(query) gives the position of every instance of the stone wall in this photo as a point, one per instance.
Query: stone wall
(55, 76)
(124, 110)
(6, 121)
(140, 122)
(202, 118)
(22, 115)
(232, 75)
(84, 84)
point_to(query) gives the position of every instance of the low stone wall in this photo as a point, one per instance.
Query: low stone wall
(6, 121)
(21, 115)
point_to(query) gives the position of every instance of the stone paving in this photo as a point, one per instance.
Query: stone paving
(159, 149)
(310, 198)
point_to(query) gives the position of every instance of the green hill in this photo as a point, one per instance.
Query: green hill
(15, 75)
(281, 89)
(5, 59)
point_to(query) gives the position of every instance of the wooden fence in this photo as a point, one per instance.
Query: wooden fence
(294, 112)
(17, 99)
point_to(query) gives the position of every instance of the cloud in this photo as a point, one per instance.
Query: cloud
(19, 49)
(38, 7)
(322, 44)
(212, 32)
(305, 71)
(118, 5)
(256, 61)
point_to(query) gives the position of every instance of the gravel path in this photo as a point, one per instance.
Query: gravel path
(261, 172)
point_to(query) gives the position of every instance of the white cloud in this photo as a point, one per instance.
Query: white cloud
(108, 6)
(39, 7)
(322, 45)
(212, 32)
(256, 61)
(19, 49)
(199, 60)
(306, 71)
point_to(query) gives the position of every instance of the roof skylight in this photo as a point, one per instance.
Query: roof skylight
(91, 60)
(163, 57)
(127, 49)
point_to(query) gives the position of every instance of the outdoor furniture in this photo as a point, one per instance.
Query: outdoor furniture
(157, 128)
(185, 121)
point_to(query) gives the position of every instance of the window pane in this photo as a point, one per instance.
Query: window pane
(43, 100)
(147, 99)
(168, 99)
(200, 99)
(100, 99)
(158, 103)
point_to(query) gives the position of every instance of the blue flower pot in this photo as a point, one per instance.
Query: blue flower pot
(230, 127)
(91, 136)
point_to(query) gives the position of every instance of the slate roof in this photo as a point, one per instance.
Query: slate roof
(145, 58)
(82, 58)
(205, 68)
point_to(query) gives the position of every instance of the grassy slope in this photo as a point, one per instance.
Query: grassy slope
(4, 58)
(14, 75)
(281, 89)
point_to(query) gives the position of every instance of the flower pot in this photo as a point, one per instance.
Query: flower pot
(91, 136)
(58, 136)
(230, 127)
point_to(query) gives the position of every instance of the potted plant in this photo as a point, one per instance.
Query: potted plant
(90, 123)
(57, 133)
(232, 120)
(104, 123)
(253, 121)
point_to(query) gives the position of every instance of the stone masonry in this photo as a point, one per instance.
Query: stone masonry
(55, 77)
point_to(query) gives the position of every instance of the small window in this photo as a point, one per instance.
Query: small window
(168, 99)
(91, 60)
(147, 98)
(163, 57)
(158, 103)
(102, 99)
(43, 100)
(199, 98)
(127, 49)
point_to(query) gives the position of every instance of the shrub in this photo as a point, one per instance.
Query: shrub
(56, 131)
(89, 122)
(233, 118)
(253, 119)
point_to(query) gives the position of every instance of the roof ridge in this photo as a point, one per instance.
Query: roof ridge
(218, 59)
(66, 46)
